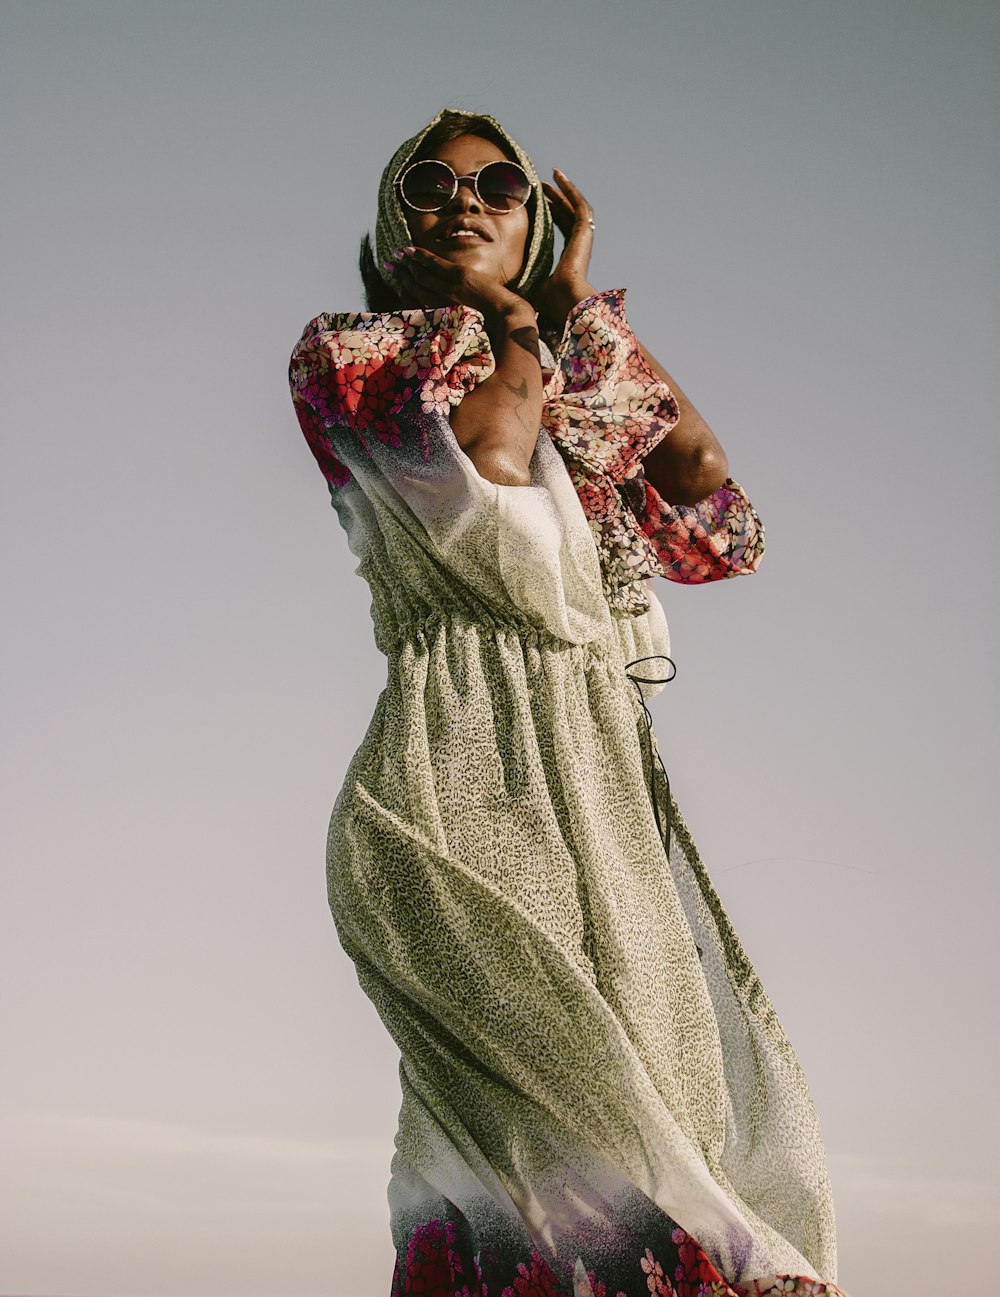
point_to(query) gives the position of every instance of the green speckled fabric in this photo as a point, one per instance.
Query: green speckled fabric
(593, 1078)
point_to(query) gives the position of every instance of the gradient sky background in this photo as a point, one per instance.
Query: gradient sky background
(197, 1099)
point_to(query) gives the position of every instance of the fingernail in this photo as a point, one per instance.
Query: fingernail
(388, 265)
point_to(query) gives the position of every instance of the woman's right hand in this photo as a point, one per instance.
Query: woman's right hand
(430, 280)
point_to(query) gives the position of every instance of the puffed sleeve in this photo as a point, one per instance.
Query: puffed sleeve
(373, 393)
(605, 411)
(370, 386)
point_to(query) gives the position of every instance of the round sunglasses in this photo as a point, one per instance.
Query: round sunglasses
(429, 185)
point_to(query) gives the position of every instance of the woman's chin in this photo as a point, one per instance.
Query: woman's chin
(474, 256)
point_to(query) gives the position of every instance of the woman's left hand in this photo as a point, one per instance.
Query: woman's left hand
(574, 218)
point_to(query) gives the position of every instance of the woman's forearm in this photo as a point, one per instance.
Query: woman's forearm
(498, 422)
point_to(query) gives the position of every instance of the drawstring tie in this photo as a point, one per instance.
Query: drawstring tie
(639, 681)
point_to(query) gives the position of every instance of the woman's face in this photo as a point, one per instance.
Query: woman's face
(497, 246)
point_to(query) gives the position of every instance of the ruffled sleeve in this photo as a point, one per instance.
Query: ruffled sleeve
(605, 410)
(352, 374)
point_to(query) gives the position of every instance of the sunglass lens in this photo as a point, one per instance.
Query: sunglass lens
(503, 186)
(428, 185)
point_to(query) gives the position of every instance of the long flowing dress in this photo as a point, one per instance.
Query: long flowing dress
(598, 1099)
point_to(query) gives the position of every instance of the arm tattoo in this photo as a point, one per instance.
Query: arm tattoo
(527, 338)
(521, 391)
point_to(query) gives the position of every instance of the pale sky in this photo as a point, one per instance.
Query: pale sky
(196, 1098)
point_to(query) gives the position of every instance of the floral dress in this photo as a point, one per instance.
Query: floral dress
(598, 1099)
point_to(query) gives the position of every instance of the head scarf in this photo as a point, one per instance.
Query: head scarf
(393, 233)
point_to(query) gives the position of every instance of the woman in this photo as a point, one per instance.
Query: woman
(597, 1096)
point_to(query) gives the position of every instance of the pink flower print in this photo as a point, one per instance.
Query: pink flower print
(695, 1274)
(368, 396)
(656, 1281)
(601, 337)
(640, 397)
(586, 337)
(435, 393)
(335, 472)
(427, 1268)
(534, 1279)
(579, 370)
(787, 1286)
(597, 497)
(433, 1265)
(600, 1288)
(412, 329)
(353, 348)
(593, 435)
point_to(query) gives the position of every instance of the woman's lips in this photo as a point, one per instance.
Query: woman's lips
(464, 229)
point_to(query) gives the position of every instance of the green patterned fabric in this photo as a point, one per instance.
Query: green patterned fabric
(393, 233)
(596, 1090)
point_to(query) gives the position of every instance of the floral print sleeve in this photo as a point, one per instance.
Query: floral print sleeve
(352, 373)
(606, 410)
(377, 388)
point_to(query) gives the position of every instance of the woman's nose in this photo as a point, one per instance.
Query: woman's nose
(465, 195)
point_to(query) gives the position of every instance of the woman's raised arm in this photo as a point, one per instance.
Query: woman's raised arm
(688, 465)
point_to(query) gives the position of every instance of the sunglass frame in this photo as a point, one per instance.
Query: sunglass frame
(472, 177)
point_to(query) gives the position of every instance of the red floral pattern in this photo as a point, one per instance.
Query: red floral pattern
(534, 1279)
(606, 410)
(718, 537)
(365, 374)
(356, 372)
(434, 1266)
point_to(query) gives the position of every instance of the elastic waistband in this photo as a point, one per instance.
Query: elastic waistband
(421, 632)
